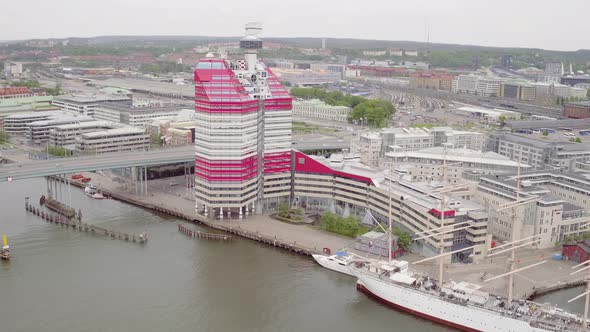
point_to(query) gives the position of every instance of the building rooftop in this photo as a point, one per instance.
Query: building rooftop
(88, 124)
(585, 103)
(138, 109)
(458, 155)
(113, 132)
(90, 98)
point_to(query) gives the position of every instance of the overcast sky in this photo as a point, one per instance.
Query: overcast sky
(520, 23)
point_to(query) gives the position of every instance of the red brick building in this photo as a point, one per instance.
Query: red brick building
(578, 110)
(577, 252)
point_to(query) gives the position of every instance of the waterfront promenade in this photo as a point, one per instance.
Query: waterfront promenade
(553, 274)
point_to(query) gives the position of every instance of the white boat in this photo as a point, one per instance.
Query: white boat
(92, 191)
(460, 305)
(338, 263)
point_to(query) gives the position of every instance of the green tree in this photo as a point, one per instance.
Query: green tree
(578, 140)
(545, 132)
(502, 119)
(284, 210)
(58, 151)
(404, 239)
(4, 136)
(376, 113)
(56, 91)
(349, 226)
(31, 84)
(155, 139)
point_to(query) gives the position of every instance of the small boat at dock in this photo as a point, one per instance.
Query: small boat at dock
(338, 262)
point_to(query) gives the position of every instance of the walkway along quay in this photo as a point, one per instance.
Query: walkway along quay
(202, 235)
(71, 222)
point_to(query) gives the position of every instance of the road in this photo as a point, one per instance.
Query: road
(167, 156)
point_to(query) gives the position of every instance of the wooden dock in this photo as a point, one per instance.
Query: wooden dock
(202, 235)
(61, 220)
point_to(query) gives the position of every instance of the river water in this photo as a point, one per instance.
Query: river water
(63, 280)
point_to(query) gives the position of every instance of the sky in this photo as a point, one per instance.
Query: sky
(506, 23)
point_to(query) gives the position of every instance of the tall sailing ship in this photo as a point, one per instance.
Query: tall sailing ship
(463, 305)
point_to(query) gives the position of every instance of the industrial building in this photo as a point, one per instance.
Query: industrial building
(307, 77)
(518, 90)
(577, 110)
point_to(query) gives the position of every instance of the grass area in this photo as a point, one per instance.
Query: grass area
(349, 226)
(308, 128)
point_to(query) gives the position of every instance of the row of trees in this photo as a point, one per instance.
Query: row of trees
(375, 113)
(334, 98)
(349, 226)
(57, 151)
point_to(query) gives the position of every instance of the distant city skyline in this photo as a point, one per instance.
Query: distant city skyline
(503, 23)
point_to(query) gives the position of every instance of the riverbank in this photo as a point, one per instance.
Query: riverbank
(307, 240)
(301, 239)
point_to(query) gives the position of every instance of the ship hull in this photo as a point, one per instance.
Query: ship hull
(462, 317)
(367, 292)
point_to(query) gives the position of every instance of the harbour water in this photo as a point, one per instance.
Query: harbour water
(63, 280)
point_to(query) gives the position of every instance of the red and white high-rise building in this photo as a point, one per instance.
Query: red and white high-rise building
(243, 134)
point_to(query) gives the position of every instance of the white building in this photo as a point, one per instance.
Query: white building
(38, 132)
(16, 124)
(559, 212)
(427, 164)
(466, 84)
(135, 116)
(285, 65)
(86, 104)
(64, 135)
(488, 87)
(372, 146)
(308, 77)
(13, 69)
(374, 53)
(318, 109)
(112, 140)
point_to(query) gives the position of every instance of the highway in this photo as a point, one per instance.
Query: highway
(156, 157)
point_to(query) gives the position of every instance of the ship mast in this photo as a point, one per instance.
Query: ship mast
(514, 242)
(389, 213)
(586, 294)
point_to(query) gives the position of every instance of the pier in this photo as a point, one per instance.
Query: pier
(202, 235)
(63, 221)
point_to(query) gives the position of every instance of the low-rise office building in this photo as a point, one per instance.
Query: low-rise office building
(308, 77)
(136, 116)
(559, 209)
(112, 140)
(411, 139)
(346, 186)
(318, 109)
(427, 164)
(16, 124)
(38, 132)
(65, 135)
(520, 90)
(542, 153)
(86, 104)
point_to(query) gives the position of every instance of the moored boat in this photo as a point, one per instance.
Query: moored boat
(338, 262)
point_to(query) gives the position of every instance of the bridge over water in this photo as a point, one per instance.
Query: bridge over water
(119, 160)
